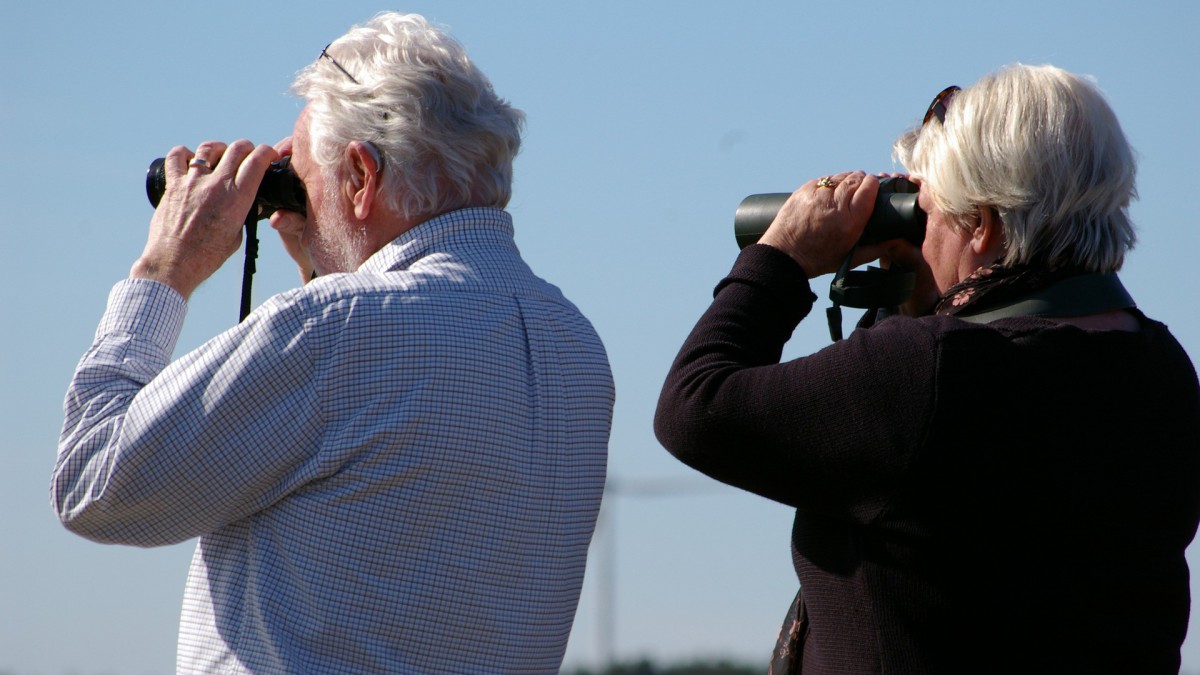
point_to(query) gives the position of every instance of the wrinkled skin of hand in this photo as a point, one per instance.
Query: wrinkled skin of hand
(198, 223)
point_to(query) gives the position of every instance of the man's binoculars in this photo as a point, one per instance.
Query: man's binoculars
(280, 188)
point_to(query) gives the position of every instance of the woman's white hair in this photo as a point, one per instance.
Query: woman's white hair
(1043, 148)
(447, 140)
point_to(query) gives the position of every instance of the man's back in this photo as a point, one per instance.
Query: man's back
(419, 492)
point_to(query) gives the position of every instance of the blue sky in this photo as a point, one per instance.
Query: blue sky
(647, 123)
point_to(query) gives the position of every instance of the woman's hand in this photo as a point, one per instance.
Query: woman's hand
(904, 255)
(821, 222)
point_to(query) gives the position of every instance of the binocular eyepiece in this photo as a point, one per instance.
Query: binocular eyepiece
(281, 188)
(896, 214)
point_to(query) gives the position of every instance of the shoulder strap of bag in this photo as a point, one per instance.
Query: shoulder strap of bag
(1074, 296)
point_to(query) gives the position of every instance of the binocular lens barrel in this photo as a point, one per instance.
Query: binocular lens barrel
(281, 188)
(896, 214)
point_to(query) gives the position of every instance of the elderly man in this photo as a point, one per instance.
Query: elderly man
(396, 467)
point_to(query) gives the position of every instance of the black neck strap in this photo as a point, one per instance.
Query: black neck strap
(871, 288)
(1074, 296)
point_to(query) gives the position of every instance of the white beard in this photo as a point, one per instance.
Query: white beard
(338, 245)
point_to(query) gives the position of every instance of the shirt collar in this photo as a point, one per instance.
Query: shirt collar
(455, 229)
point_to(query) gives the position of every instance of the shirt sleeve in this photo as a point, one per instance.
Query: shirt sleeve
(154, 453)
(834, 432)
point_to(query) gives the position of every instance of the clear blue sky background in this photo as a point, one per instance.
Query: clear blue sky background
(647, 124)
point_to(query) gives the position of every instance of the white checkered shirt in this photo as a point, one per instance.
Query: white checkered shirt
(395, 470)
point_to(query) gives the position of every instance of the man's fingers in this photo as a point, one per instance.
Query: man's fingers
(253, 162)
(175, 164)
(208, 154)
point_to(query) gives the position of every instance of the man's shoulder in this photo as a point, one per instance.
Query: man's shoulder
(445, 289)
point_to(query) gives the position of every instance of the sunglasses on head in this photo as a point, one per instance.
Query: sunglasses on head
(937, 109)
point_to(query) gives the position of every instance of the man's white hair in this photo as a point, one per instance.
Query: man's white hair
(1044, 149)
(447, 140)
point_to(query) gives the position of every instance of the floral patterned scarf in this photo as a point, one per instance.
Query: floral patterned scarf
(996, 285)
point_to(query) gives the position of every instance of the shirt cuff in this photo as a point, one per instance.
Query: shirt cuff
(151, 310)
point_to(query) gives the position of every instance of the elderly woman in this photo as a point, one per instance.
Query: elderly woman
(1003, 475)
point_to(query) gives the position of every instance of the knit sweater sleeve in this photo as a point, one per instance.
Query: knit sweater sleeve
(835, 432)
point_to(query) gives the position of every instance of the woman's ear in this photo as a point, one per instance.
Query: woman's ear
(988, 237)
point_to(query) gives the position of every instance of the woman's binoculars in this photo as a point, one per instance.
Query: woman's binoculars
(896, 214)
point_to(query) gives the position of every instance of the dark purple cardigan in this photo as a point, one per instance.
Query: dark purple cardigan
(1011, 497)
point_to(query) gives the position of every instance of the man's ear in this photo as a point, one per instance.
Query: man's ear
(988, 237)
(362, 188)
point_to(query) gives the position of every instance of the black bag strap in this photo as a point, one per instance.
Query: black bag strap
(1074, 296)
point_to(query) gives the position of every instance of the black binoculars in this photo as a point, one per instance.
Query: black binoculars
(896, 214)
(281, 188)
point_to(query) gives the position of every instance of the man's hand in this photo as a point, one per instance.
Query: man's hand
(198, 223)
(290, 226)
(821, 222)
